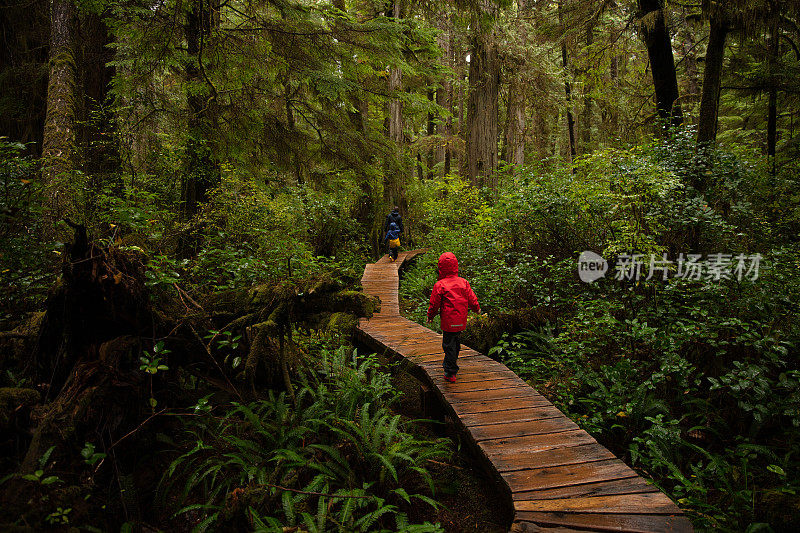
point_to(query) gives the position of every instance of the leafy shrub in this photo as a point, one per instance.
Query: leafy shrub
(27, 264)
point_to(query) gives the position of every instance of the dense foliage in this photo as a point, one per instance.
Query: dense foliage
(695, 382)
(189, 191)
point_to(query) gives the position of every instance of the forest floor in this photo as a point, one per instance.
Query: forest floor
(470, 500)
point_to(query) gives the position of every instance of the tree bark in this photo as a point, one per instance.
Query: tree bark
(586, 115)
(482, 104)
(394, 176)
(59, 142)
(444, 98)
(662, 62)
(567, 89)
(97, 140)
(712, 80)
(772, 105)
(514, 146)
(395, 86)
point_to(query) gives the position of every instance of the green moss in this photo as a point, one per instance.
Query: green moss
(12, 399)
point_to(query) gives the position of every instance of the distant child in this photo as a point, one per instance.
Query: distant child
(453, 296)
(393, 238)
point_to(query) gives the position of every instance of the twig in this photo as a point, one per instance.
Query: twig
(310, 493)
(186, 294)
(14, 335)
(137, 428)
(444, 464)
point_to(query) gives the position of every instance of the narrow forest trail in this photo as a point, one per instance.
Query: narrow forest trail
(556, 476)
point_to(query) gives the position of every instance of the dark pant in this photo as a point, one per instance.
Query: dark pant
(451, 344)
(393, 253)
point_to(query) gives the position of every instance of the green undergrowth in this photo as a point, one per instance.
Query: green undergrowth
(694, 383)
(336, 460)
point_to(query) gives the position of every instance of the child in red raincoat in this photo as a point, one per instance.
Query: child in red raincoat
(453, 296)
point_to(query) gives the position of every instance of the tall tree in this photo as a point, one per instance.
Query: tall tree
(484, 91)
(514, 145)
(653, 27)
(444, 95)
(394, 177)
(96, 139)
(59, 157)
(567, 87)
(712, 77)
(586, 114)
(202, 171)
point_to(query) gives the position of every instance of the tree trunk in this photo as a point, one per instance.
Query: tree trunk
(613, 118)
(202, 171)
(59, 144)
(97, 140)
(514, 146)
(772, 106)
(712, 80)
(692, 77)
(482, 105)
(394, 175)
(586, 115)
(444, 98)
(395, 86)
(567, 89)
(662, 63)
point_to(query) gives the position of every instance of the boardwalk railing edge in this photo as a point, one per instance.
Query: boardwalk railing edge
(554, 475)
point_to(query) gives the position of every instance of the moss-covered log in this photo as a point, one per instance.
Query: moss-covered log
(482, 333)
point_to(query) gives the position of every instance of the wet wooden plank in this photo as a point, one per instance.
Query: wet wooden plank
(540, 434)
(498, 405)
(509, 390)
(608, 522)
(631, 485)
(484, 384)
(562, 476)
(650, 503)
(505, 460)
(525, 414)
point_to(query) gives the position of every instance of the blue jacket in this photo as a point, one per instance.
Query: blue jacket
(393, 233)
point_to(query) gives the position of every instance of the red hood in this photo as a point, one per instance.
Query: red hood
(448, 265)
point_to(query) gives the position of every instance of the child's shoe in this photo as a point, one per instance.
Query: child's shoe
(449, 378)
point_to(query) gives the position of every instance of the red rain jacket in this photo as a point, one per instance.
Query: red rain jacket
(452, 295)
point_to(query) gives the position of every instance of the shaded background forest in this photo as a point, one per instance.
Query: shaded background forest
(190, 190)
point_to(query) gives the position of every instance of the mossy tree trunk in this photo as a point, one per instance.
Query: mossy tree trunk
(482, 101)
(59, 146)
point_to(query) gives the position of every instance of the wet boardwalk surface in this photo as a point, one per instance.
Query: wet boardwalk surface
(556, 475)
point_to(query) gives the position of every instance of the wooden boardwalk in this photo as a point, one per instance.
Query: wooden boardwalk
(556, 476)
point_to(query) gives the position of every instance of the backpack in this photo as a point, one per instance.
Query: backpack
(394, 243)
